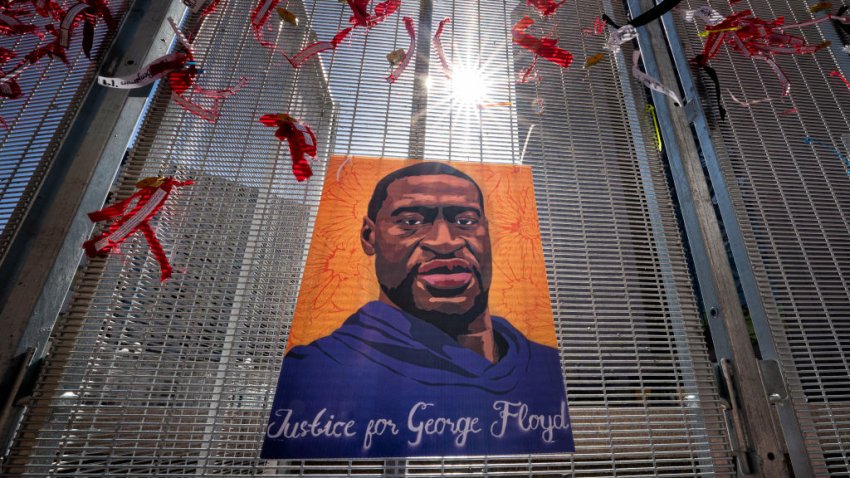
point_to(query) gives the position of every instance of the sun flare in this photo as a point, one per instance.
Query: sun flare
(468, 86)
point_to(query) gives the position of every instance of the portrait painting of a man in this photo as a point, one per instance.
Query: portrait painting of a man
(423, 366)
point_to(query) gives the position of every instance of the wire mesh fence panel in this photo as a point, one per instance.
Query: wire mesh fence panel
(791, 199)
(35, 120)
(176, 378)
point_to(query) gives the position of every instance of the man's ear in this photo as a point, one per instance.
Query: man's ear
(367, 236)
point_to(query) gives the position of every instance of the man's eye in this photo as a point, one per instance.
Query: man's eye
(411, 222)
(466, 221)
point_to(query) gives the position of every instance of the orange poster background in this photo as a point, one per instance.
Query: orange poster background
(339, 277)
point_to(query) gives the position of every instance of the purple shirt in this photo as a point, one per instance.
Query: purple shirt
(386, 384)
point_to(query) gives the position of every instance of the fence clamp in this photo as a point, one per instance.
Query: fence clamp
(730, 402)
(774, 384)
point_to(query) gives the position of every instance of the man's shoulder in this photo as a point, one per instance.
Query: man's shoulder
(318, 363)
(343, 358)
(326, 350)
(514, 336)
(335, 349)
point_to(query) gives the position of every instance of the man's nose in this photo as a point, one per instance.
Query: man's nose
(441, 239)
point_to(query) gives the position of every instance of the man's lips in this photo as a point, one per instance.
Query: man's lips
(446, 273)
(448, 265)
(447, 281)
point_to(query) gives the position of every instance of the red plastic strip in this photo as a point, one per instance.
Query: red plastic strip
(544, 47)
(314, 48)
(148, 202)
(545, 7)
(399, 70)
(438, 47)
(301, 141)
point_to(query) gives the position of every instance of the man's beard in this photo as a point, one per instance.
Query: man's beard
(452, 324)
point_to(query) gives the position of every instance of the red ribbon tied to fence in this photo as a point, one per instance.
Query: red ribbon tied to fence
(89, 11)
(545, 7)
(146, 203)
(11, 25)
(756, 38)
(545, 48)
(438, 47)
(182, 73)
(398, 70)
(300, 138)
(361, 16)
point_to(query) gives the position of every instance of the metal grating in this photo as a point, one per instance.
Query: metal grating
(792, 200)
(177, 379)
(38, 120)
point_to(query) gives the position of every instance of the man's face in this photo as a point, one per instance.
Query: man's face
(432, 248)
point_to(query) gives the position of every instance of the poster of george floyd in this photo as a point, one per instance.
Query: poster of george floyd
(423, 325)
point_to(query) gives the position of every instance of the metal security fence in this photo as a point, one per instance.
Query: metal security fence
(38, 120)
(791, 199)
(176, 379)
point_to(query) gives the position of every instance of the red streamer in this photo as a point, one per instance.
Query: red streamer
(6, 55)
(301, 141)
(259, 16)
(314, 48)
(841, 77)
(438, 47)
(545, 7)
(185, 80)
(90, 11)
(749, 103)
(529, 73)
(399, 70)
(182, 80)
(49, 8)
(598, 27)
(52, 49)
(545, 48)
(11, 25)
(218, 96)
(760, 39)
(755, 37)
(149, 199)
(9, 87)
(361, 16)
(155, 70)
(182, 74)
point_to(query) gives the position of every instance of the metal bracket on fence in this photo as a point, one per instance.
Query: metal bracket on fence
(774, 383)
(692, 110)
(740, 442)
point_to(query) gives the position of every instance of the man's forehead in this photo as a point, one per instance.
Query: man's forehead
(434, 189)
